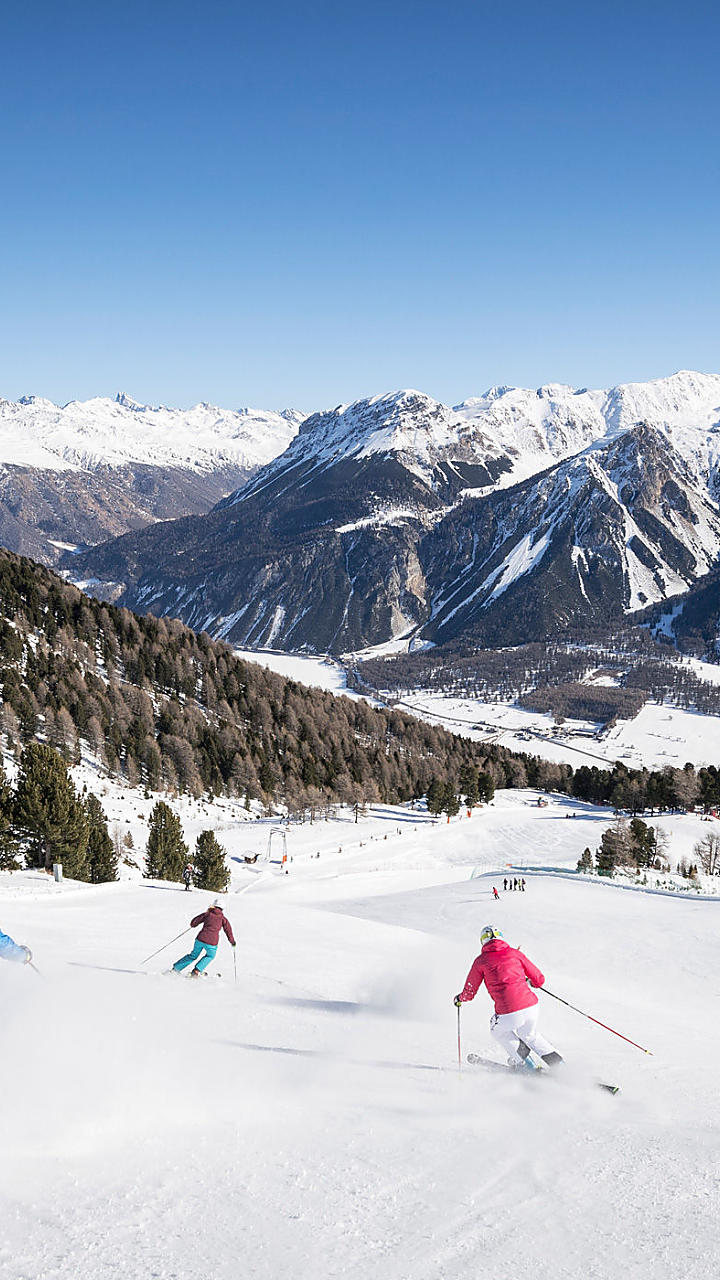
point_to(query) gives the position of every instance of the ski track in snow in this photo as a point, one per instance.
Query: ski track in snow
(311, 1120)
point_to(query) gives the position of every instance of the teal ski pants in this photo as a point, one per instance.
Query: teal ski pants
(194, 955)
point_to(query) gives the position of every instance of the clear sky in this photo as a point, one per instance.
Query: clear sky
(297, 203)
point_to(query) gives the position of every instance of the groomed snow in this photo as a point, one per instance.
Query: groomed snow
(311, 1120)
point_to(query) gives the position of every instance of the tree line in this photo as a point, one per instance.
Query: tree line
(549, 677)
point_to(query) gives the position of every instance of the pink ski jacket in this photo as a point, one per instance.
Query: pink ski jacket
(212, 921)
(505, 972)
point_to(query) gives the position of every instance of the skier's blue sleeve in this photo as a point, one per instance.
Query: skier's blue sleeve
(10, 950)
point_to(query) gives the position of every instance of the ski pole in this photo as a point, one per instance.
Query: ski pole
(597, 1021)
(167, 944)
(459, 1048)
(235, 965)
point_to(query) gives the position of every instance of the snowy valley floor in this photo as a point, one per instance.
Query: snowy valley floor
(311, 1121)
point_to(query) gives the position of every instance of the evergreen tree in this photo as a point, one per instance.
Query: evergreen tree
(615, 848)
(468, 783)
(166, 854)
(435, 796)
(48, 816)
(8, 842)
(486, 786)
(451, 800)
(586, 861)
(211, 871)
(643, 844)
(102, 857)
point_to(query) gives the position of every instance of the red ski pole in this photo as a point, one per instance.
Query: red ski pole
(590, 1018)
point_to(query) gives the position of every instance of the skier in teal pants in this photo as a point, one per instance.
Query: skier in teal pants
(207, 941)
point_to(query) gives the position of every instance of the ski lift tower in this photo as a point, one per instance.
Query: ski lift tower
(277, 855)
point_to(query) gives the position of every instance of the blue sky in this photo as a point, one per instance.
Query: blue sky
(298, 204)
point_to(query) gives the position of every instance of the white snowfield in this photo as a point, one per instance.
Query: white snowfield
(86, 434)
(311, 1120)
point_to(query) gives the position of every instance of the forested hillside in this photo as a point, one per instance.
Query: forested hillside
(170, 710)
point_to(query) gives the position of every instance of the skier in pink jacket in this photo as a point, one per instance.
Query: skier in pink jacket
(506, 973)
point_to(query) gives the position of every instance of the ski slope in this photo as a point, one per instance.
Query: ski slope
(311, 1120)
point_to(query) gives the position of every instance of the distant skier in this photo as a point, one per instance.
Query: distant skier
(505, 884)
(496, 895)
(188, 876)
(207, 941)
(506, 973)
(10, 950)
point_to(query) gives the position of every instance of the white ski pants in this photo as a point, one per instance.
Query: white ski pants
(510, 1028)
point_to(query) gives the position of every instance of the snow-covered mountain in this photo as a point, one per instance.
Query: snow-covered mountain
(89, 470)
(512, 516)
(87, 434)
(620, 526)
(539, 428)
(444, 450)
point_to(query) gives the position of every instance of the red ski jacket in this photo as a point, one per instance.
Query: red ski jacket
(212, 922)
(505, 972)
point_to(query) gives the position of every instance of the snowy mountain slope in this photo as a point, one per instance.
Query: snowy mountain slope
(87, 471)
(432, 442)
(338, 1137)
(539, 428)
(620, 526)
(396, 516)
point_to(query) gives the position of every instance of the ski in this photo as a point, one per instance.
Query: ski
(477, 1060)
(489, 1064)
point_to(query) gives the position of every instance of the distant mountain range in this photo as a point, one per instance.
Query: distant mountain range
(90, 470)
(513, 516)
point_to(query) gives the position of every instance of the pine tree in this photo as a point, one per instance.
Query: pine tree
(8, 842)
(451, 800)
(615, 848)
(49, 818)
(166, 854)
(468, 783)
(211, 870)
(435, 796)
(643, 846)
(486, 786)
(102, 857)
(586, 861)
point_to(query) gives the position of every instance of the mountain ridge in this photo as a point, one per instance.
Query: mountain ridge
(397, 516)
(90, 470)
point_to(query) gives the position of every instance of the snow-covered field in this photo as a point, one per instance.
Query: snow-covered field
(311, 1119)
(657, 736)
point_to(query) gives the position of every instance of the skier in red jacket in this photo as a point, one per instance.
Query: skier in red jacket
(212, 921)
(506, 973)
